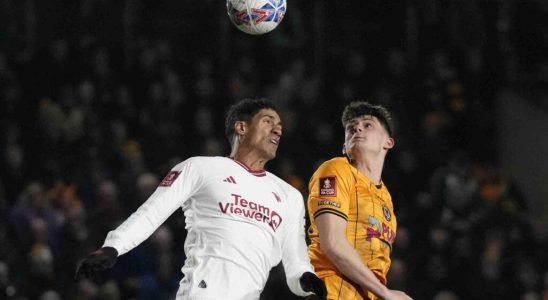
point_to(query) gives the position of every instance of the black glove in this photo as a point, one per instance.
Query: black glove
(311, 283)
(96, 261)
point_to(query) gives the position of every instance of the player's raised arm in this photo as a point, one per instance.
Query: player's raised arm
(170, 195)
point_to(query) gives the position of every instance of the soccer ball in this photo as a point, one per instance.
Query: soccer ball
(256, 16)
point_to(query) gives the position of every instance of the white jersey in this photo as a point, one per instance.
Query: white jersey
(240, 224)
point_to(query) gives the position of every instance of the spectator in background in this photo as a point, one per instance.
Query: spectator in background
(107, 77)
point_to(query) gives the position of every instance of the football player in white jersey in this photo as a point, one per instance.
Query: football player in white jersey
(241, 220)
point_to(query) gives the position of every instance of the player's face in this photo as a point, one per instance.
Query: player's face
(367, 135)
(264, 133)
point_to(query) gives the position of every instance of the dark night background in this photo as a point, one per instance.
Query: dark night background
(99, 99)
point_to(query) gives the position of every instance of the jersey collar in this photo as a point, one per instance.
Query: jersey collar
(259, 173)
(377, 187)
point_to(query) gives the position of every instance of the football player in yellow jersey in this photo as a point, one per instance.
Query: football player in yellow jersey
(352, 217)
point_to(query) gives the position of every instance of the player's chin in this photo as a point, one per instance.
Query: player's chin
(271, 151)
(271, 155)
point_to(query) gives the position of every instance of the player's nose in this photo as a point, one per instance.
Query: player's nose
(277, 130)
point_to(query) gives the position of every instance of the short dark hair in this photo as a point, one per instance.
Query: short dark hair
(362, 108)
(244, 110)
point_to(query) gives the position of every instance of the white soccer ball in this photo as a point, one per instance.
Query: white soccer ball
(256, 16)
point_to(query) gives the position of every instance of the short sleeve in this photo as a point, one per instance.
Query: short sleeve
(329, 189)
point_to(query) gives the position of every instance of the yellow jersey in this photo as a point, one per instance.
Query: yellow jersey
(339, 188)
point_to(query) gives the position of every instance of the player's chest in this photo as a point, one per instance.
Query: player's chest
(243, 188)
(244, 196)
(372, 206)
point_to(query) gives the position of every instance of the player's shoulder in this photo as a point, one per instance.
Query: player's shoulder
(334, 165)
(278, 181)
(386, 191)
(288, 188)
(338, 161)
(199, 162)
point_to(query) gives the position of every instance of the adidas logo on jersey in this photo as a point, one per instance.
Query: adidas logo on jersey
(202, 284)
(230, 179)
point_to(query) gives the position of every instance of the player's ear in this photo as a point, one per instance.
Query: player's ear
(240, 128)
(389, 144)
(344, 149)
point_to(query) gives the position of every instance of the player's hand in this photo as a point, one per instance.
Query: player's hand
(311, 283)
(96, 261)
(396, 295)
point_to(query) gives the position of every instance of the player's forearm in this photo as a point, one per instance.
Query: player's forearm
(132, 232)
(141, 224)
(295, 258)
(294, 269)
(348, 261)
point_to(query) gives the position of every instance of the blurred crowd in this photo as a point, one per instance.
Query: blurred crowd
(99, 99)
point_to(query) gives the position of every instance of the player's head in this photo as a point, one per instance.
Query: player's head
(255, 124)
(367, 127)
(361, 108)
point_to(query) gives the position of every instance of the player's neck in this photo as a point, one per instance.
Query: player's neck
(370, 167)
(249, 158)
